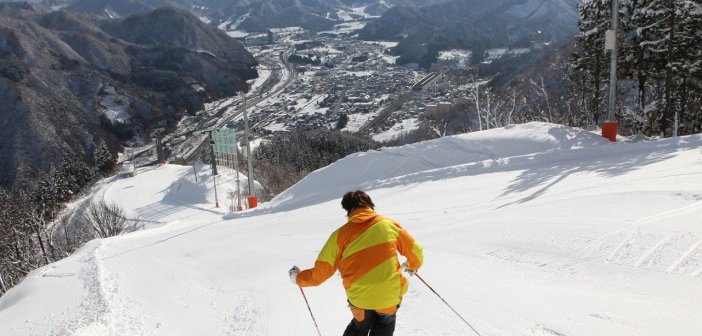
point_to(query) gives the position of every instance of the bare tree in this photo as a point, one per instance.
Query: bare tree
(37, 222)
(66, 236)
(474, 94)
(542, 91)
(108, 220)
(499, 108)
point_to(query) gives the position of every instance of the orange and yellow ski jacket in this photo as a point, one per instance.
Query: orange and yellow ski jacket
(364, 251)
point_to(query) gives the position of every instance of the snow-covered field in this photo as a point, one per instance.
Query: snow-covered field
(533, 229)
(398, 130)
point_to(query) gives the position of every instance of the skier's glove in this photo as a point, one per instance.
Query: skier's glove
(293, 274)
(407, 270)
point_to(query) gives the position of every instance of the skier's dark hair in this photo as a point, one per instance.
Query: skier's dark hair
(356, 199)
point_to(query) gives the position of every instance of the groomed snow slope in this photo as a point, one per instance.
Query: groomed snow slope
(533, 229)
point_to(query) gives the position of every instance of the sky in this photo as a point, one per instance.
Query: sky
(532, 229)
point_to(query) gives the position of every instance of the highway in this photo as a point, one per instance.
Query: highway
(253, 101)
(214, 120)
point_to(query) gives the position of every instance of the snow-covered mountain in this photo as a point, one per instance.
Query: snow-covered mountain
(69, 81)
(251, 14)
(533, 229)
(472, 24)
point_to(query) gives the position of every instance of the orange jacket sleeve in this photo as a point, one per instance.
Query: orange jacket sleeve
(409, 248)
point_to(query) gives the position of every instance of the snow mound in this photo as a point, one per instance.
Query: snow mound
(375, 169)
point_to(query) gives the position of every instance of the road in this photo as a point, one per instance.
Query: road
(187, 153)
(251, 101)
(395, 105)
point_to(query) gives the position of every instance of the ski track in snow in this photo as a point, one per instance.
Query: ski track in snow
(245, 319)
(104, 310)
(506, 246)
(639, 245)
(543, 329)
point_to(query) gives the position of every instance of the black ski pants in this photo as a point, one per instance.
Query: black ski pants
(377, 324)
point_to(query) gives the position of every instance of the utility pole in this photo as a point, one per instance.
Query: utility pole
(236, 167)
(214, 180)
(669, 70)
(252, 197)
(214, 167)
(613, 64)
(157, 135)
(213, 159)
(609, 127)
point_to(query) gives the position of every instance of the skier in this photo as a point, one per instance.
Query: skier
(364, 250)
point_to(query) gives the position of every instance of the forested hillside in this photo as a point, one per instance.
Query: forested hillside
(659, 64)
(69, 81)
(73, 91)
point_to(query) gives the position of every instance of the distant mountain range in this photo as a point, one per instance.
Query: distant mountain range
(251, 15)
(69, 81)
(472, 24)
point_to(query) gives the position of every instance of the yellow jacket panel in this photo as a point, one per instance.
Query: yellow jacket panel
(364, 251)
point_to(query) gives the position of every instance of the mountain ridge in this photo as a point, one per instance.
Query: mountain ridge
(259, 15)
(60, 69)
(475, 25)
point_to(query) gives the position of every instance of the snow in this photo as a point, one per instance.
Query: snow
(287, 30)
(263, 75)
(357, 120)
(233, 24)
(310, 107)
(386, 44)
(110, 14)
(390, 59)
(343, 15)
(493, 54)
(276, 127)
(327, 50)
(533, 229)
(346, 14)
(365, 73)
(113, 106)
(457, 57)
(237, 33)
(202, 51)
(405, 126)
(346, 27)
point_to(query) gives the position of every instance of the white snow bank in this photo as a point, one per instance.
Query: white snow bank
(377, 168)
(533, 229)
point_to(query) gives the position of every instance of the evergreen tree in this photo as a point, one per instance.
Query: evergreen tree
(636, 62)
(46, 194)
(76, 174)
(688, 56)
(70, 177)
(590, 59)
(658, 40)
(20, 250)
(342, 122)
(61, 184)
(659, 43)
(670, 31)
(105, 162)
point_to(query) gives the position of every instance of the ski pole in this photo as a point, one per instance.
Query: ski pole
(310, 309)
(447, 304)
